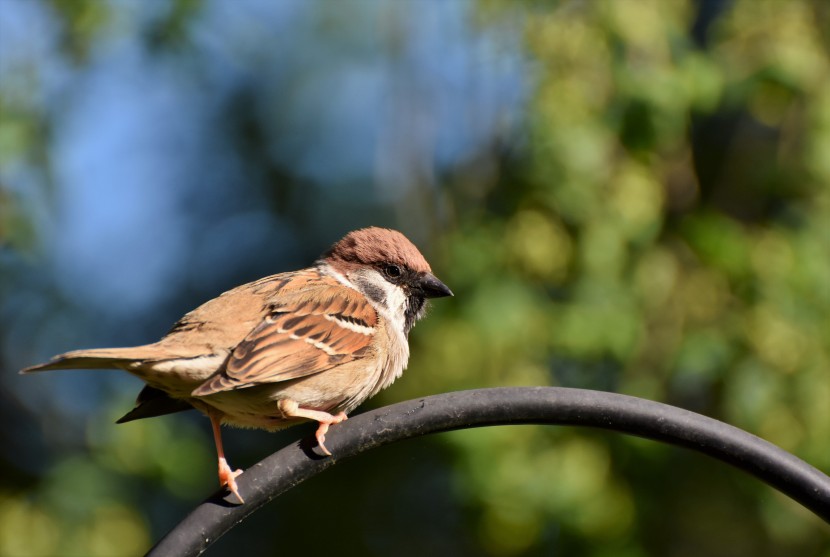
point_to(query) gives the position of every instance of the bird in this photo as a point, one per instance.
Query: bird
(311, 344)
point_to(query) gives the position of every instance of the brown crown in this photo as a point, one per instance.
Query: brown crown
(371, 246)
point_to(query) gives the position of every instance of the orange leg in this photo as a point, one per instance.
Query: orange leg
(226, 475)
(292, 410)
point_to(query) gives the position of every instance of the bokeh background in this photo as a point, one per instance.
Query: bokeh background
(630, 196)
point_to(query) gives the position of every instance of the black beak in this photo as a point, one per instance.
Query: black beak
(432, 287)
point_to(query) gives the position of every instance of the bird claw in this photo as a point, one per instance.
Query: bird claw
(227, 477)
(321, 438)
(290, 409)
(324, 427)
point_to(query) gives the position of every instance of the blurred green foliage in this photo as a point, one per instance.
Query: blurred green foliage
(662, 229)
(665, 234)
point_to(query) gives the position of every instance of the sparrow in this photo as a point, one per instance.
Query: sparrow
(305, 345)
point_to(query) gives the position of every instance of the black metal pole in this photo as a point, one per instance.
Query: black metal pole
(286, 468)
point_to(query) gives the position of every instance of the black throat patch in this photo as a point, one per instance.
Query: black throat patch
(415, 308)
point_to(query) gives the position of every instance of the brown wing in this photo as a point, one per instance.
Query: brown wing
(223, 322)
(303, 334)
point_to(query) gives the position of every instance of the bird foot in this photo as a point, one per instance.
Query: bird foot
(324, 427)
(291, 409)
(227, 477)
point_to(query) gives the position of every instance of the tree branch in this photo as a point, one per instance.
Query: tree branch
(288, 467)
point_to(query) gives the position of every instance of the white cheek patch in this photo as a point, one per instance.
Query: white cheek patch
(388, 299)
(397, 304)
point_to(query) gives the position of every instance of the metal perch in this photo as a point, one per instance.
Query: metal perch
(288, 467)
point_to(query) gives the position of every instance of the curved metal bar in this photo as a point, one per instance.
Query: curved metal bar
(288, 467)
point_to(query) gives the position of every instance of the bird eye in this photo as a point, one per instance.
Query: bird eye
(392, 271)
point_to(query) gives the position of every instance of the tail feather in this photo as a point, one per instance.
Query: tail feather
(152, 402)
(101, 358)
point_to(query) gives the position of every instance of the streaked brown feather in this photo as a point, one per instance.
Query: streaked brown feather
(304, 333)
